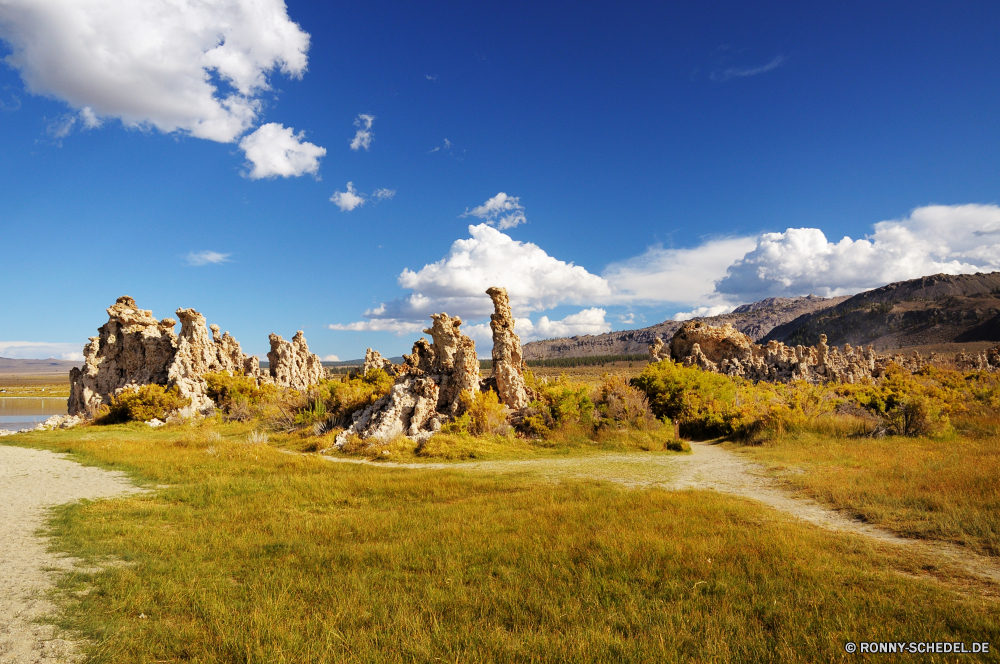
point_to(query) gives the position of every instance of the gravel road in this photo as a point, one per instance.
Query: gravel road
(30, 482)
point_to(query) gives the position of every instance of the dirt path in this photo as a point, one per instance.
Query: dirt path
(713, 467)
(30, 482)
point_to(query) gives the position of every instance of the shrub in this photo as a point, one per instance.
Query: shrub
(239, 397)
(486, 414)
(143, 404)
(623, 404)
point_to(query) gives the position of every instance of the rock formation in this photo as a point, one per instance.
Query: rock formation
(987, 360)
(507, 360)
(656, 352)
(291, 364)
(374, 360)
(428, 392)
(726, 350)
(133, 349)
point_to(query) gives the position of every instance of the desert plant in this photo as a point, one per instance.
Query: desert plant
(143, 404)
(257, 437)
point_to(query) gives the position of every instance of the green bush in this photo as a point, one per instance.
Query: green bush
(143, 404)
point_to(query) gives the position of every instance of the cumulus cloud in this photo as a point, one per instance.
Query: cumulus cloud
(952, 239)
(587, 321)
(194, 67)
(399, 327)
(501, 211)
(40, 350)
(681, 276)
(363, 137)
(457, 284)
(703, 312)
(331, 358)
(274, 150)
(207, 258)
(348, 200)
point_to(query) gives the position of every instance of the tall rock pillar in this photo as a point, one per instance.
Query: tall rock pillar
(506, 352)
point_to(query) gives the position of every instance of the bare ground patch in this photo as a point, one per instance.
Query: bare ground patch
(31, 481)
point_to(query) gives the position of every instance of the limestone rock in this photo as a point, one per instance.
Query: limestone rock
(429, 390)
(133, 349)
(374, 360)
(715, 342)
(728, 351)
(987, 360)
(656, 352)
(291, 363)
(507, 359)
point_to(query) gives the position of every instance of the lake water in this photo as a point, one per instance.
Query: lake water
(26, 412)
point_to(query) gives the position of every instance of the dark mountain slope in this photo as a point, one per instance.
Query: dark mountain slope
(937, 309)
(754, 320)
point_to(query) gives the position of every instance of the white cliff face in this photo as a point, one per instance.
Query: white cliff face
(507, 359)
(133, 349)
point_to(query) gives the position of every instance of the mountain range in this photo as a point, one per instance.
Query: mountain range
(934, 311)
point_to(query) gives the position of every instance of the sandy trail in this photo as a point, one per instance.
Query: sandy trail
(30, 482)
(715, 468)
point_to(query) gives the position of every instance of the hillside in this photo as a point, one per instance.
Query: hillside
(12, 366)
(755, 320)
(934, 310)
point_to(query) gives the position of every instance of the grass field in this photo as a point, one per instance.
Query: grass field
(243, 552)
(942, 489)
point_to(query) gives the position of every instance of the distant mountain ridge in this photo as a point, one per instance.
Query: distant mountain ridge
(755, 320)
(11, 366)
(937, 309)
(931, 310)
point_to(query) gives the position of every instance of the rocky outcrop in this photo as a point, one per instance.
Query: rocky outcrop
(429, 390)
(374, 360)
(987, 360)
(291, 364)
(656, 350)
(133, 349)
(726, 350)
(508, 364)
(755, 320)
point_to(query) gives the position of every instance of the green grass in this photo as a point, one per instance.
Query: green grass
(944, 489)
(256, 555)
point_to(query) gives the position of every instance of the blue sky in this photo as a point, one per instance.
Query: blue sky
(655, 161)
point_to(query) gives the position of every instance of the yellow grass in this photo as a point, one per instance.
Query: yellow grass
(945, 489)
(255, 555)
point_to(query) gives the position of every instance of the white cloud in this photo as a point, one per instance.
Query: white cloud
(331, 358)
(383, 194)
(704, 312)
(587, 321)
(447, 146)
(207, 258)
(627, 319)
(457, 284)
(348, 200)
(363, 138)
(401, 328)
(40, 350)
(681, 276)
(743, 72)
(194, 67)
(431, 77)
(938, 238)
(276, 150)
(501, 211)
